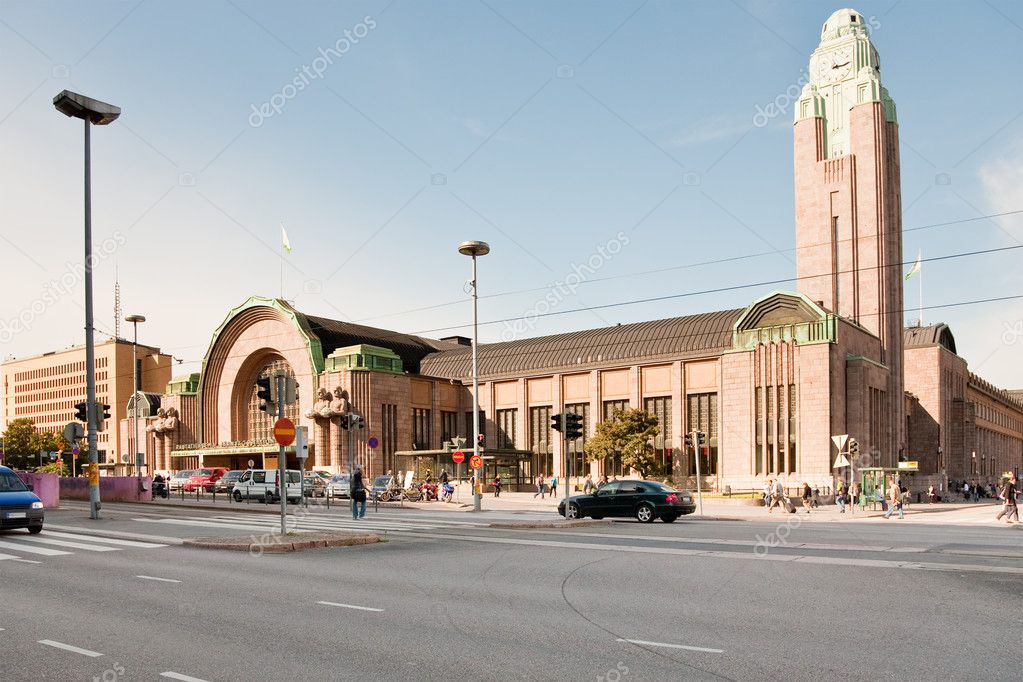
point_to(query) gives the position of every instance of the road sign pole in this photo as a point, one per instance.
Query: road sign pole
(281, 460)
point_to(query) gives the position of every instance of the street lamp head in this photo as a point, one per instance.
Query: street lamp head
(135, 318)
(79, 106)
(474, 248)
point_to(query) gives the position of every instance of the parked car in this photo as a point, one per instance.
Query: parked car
(644, 500)
(339, 486)
(19, 506)
(262, 484)
(314, 485)
(225, 484)
(177, 480)
(204, 478)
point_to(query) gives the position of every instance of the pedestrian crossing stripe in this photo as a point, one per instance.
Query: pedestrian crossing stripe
(264, 523)
(55, 544)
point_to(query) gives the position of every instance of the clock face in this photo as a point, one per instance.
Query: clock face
(835, 66)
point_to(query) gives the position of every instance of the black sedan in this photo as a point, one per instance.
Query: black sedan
(644, 500)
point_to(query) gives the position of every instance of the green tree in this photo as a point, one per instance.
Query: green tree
(628, 434)
(19, 443)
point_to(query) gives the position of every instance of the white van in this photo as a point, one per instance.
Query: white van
(261, 484)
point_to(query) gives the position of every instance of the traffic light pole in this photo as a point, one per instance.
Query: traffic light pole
(90, 349)
(282, 462)
(699, 483)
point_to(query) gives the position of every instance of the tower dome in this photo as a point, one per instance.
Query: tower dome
(842, 23)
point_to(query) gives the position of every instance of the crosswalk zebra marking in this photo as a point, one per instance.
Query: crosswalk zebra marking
(72, 545)
(45, 551)
(54, 544)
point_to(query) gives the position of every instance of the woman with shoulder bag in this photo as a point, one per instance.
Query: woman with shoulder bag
(358, 493)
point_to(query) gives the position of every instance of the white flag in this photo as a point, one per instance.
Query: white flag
(912, 271)
(285, 242)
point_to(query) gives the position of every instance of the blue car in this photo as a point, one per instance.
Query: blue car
(19, 506)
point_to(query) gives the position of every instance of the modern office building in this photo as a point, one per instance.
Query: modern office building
(46, 387)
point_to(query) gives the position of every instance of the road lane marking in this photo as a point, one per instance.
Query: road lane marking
(350, 606)
(153, 577)
(68, 647)
(178, 676)
(749, 556)
(105, 541)
(25, 561)
(4, 557)
(45, 551)
(672, 646)
(72, 545)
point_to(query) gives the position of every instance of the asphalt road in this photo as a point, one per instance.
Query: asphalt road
(448, 597)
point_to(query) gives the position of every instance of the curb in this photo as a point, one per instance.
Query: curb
(281, 547)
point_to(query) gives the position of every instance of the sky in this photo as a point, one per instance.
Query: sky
(609, 152)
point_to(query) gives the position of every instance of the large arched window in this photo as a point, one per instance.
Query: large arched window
(261, 424)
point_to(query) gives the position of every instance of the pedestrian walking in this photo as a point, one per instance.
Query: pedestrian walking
(588, 485)
(895, 501)
(1009, 507)
(358, 494)
(539, 488)
(497, 485)
(602, 481)
(554, 486)
(777, 496)
(767, 491)
(840, 497)
(807, 497)
(815, 501)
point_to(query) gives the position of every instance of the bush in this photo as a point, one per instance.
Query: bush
(53, 468)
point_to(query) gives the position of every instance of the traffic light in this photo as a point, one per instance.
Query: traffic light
(573, 426)
(290, 390)
(82, 412)
(481, 441)
(102, 414)
(854, 447)
(356, 422)
(265, 395)
(689, 440)
(556, 422)
(701, 437)
(345, 422)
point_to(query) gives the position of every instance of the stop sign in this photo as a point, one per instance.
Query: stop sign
(458, 456)
(284, 431)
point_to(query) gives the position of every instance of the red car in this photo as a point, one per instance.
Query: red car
(204, 478)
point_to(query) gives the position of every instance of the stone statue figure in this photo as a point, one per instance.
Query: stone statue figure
(157, 424)
(321, 404)
(170, 422)
(339, 405)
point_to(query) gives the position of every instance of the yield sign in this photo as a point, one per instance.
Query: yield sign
(841, 462)
(840, 441)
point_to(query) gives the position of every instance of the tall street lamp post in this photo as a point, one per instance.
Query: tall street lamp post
(92, 112)
(474, 249)
(135, 319)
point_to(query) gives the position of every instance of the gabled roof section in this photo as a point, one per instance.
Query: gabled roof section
(334, 334)
(778, 309)
(672, 338)
(933, 335)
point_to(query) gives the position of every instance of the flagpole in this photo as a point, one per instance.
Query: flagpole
(282, 271)
(920, 286)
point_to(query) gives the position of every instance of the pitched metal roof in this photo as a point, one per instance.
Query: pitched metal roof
(334, 334)
(935, 334)
(673, 338)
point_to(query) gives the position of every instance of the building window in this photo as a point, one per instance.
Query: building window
(469, 425)
(506, 428)
(420, 428)
(613, 465)
(388, 433)
(448, 426)
(661, 408)
(540, 442)
(702, 415)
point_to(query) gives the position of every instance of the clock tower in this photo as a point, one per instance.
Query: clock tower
(848, 206)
